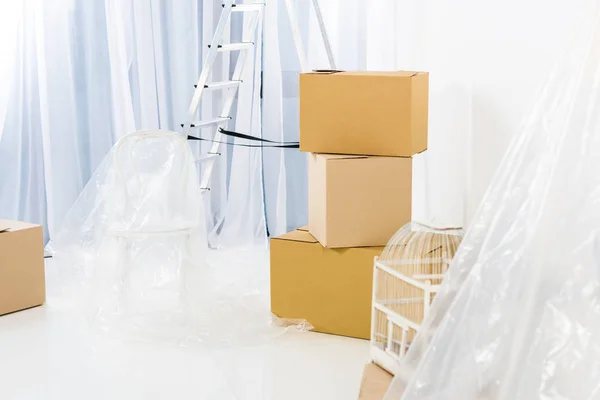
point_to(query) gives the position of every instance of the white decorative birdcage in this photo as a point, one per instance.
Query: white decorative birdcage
(406, 278)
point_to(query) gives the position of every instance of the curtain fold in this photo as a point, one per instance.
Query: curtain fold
(86, 73)
(285, 171)
(273, 160)
(9, 31)
(244, 222)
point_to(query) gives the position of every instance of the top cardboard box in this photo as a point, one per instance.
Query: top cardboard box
(367, 113)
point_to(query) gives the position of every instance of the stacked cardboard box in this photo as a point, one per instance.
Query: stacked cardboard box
(361, 130)
(22, 277)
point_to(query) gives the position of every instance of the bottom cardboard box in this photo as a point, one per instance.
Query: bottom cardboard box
(329, 288)
(375, 382)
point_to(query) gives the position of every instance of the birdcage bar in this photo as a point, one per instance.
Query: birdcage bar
(397, 318)
(384, 355)
(403, 342)
(390, 336)
(412, 300)
(419, 284)
(427, 298)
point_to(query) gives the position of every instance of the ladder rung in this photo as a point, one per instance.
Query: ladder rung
(220, 85)
(246, 7)
(207, 156)
(234, 46)
(209, 122)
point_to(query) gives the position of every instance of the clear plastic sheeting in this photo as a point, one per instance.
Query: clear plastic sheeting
(518, 314)
(132, 253)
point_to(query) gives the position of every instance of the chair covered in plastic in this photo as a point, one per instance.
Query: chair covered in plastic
(135, 238)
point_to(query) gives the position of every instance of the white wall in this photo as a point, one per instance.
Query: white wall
(500, 52)
(509, 49)
(488, 60)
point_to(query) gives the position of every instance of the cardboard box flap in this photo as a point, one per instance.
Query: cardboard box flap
(303, 228)
(297, 236)
(394, 74)
(341, 156)
(407, 74)
(325, 71)
(349, 156)
(7, 225)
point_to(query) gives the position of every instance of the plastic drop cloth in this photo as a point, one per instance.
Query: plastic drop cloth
(131, 254)
(518, 316)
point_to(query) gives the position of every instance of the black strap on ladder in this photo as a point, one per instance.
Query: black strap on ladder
(249, 137)
(265, 143)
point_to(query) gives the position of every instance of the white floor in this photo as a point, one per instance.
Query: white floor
(43, 355)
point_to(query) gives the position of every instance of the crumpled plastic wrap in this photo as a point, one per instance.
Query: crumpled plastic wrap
(518, 314)
(132, 254)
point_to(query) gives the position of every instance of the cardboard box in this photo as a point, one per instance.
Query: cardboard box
(375, 382)
(358, 201)
(371, 113)
(330, 288)
(22, 278)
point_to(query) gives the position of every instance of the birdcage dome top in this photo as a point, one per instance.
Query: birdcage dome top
(416, 243)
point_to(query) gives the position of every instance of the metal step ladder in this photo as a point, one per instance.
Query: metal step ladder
(253, 15)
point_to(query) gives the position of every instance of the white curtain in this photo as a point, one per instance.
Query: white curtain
(9, 17)
(77, 75)
(285, 171)
(84, 73)
(486, 62)
(236, 200)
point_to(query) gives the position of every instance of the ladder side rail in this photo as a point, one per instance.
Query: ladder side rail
(250, 30)
(324, 34)
(297, 34)
(207, 65)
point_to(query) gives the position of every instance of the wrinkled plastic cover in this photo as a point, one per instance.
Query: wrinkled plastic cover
(132, 251)
(518, 316)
